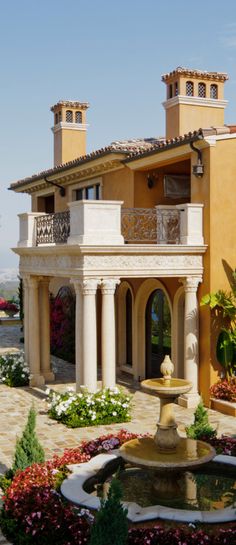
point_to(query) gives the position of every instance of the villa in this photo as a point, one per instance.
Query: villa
(140, 230)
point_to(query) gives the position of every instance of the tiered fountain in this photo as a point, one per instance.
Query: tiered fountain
(154, 471)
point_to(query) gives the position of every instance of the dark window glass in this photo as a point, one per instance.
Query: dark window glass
(79, 194)
(213, 91)
(97, 192)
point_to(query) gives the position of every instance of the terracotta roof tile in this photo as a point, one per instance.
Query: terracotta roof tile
(188, 72)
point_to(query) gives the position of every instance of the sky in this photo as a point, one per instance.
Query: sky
(109, 53)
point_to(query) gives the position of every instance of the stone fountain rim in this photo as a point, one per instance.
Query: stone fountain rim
(72, 489)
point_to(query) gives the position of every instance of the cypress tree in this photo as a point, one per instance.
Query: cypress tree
(111, 525)
(28, 449)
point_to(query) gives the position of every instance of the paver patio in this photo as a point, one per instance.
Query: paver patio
(55, 437)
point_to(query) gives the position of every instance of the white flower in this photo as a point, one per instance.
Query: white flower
(114, 413)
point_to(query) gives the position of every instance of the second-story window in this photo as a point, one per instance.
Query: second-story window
(90, 192)
(189, 88)
(78, 117)
(69, 116)
(202, 90)
(213, 91)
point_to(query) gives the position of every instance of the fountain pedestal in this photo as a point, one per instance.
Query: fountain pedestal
(166, 450)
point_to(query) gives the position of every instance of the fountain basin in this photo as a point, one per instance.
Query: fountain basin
(144, 452)
(85, 476)
(170, 388)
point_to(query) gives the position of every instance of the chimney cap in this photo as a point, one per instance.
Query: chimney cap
(193, 73)
(70, 104)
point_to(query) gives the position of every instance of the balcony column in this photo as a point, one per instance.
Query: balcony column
(44, 324)
(25, 280)
(34, 334)
(191, 343)
(78, 333)
(89, 334)
(108, 287)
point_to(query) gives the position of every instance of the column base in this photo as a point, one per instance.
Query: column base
(48, 376)
(36, 380)
(189, 401)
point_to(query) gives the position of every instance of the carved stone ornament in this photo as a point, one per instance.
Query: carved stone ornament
(143, 262)
(191, 283)
(108, 286)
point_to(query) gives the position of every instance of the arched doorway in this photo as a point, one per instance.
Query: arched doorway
(158, 332)
(125, 327)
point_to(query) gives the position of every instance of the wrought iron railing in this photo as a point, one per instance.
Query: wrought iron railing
(53, 228)
(168, 226)
(139, 224)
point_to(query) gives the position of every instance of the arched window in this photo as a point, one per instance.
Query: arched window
(59, 117)
(202, 90)
(170, 91)
(78, 117)
(213, 91)
(189, 88)
(56, 119)
(176, 88)
(69, 116)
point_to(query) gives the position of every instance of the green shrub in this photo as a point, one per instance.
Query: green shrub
(200, 429)
(77, 410)
(28, 449)
(111, 525)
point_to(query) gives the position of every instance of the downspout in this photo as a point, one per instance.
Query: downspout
(62, 189)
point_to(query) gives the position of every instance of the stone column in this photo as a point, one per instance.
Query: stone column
(25, 279)
(44, 322)
(78, 333)
(34, 334)
(191, 349)
(108, 333)
(89, 333)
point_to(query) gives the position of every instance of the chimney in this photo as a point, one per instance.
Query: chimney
(194, 100)
(69, 130)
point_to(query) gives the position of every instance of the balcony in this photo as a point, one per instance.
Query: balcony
(99, 223)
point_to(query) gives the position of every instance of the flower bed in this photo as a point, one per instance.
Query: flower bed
(34, 512)
(14, 371)
(225, 390)
(77, 410)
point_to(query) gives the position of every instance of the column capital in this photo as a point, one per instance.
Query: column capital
(108, 285)
(89, 285)
(44, 280)
(33, 282)
(191, 283)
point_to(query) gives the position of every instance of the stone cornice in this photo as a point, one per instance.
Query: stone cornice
(194, 101)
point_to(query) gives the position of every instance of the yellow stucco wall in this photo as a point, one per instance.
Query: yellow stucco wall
(68, 145)
(119, 186)
(215, 190)
(183, 118)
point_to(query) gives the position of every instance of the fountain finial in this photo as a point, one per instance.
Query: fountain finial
(167, 369)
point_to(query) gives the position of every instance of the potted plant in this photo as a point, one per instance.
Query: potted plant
(8, 307)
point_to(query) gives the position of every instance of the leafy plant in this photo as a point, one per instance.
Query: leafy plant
(224, 389)
(225, 302)
(87, 409)
(14, 371)
(28, 449)
(201, 428)
(111, 525)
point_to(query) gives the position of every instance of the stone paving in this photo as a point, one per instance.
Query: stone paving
(54, 437)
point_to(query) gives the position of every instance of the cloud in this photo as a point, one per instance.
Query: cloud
(228, 35)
